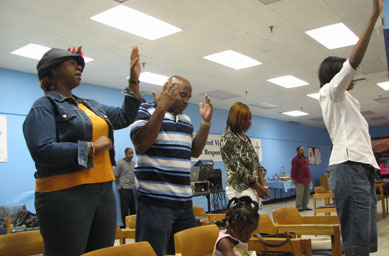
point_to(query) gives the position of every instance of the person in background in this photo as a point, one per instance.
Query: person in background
(302, 179)
(71, 142)
(352, 163)
(244, 173)
(241, 221)
(162, 136)
(125, 179)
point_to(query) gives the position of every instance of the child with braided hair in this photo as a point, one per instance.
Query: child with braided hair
(241, 221)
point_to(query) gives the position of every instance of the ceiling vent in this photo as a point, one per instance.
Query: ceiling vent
(382, 100)
(266, 2)
(263, 105)
(367, 113)
(378, 118)
(221, 95)
(317, 119)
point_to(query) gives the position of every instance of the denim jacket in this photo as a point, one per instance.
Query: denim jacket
(57, 131)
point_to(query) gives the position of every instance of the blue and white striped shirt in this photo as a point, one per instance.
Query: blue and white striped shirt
(163, 171)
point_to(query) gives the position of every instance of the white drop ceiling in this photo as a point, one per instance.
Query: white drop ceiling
(209, 26)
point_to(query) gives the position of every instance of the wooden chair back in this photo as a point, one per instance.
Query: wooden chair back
(5, 225)
(287, 215)
(131, 221)
(381, 196)
(327, 197)
(199, 211)
(324, 182)
(120, 235)
(134, 249)
(198, 241)
(266, 225)
(21, 244)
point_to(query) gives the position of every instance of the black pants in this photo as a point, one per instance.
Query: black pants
(127, 202)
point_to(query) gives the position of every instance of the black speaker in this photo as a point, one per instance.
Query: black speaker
(215, 181)
(206, 165)
(200, 187)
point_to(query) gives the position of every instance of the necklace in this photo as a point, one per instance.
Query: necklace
(242, 136)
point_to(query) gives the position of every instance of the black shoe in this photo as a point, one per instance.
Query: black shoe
(300, 210)
(307, 209)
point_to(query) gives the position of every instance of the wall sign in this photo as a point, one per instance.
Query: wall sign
(211, 150)
(314, 156)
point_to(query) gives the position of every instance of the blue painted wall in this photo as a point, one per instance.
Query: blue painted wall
(19, 90)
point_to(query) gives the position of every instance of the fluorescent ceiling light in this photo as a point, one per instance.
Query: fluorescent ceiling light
(232, 59)
(334, 36)
(36, 51)
(135, 22)
(87, 59)
(33, 51)
(295, 113)
(384, 85)
(315, 96)
(288, 81)
(152, 78)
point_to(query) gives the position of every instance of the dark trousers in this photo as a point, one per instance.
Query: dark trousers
(77, 220)
(127, 203)
(157, 225)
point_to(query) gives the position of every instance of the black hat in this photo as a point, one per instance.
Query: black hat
(55, 57)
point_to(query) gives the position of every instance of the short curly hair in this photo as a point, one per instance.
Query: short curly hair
(244, 211)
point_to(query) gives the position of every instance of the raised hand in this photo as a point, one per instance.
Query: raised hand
(167, 95)
(135, 64)
(206, 109)
(377, 7)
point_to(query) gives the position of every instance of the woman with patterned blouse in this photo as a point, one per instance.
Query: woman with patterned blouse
(244, 173)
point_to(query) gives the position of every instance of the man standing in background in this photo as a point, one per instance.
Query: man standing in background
(124, 174)
(301, 178)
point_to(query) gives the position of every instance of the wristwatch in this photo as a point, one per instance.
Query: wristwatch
(133, 82)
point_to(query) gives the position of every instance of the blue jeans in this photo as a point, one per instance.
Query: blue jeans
(77, 220)
(353, 186)
(157, 225)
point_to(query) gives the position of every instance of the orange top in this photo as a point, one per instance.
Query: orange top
(102, 171)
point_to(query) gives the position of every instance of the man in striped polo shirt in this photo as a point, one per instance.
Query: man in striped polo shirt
(162, 136)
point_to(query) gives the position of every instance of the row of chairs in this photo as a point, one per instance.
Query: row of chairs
(195, 241)
(200, 240)
(324, 192)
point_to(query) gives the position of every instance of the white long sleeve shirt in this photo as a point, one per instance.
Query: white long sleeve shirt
(346, 126)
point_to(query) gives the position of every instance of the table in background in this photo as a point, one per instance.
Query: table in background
(281, 186)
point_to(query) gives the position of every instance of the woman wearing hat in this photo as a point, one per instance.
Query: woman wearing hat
(71, 142)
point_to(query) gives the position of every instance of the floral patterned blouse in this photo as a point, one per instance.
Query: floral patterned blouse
(240, 160)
